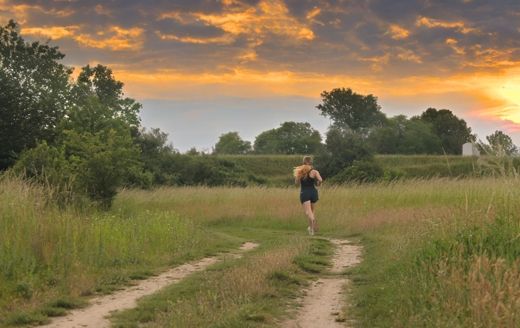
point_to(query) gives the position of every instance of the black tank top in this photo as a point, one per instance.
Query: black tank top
(308, 182)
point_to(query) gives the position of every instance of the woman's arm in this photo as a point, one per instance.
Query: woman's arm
(317, 176)
(296, 181)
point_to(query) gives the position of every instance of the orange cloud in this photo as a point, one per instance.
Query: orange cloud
(435, 23)
(397, 32)
(116, 38)
(453, 43)
(22, 12)
(491, 58)
(377, 61)
(196, 40)
(409, 55)
(51, 32)
(255, 22)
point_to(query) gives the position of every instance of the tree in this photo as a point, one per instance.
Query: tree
(451, 130)
(342, 149)
(99, 82)
(231, 143)
(34, 93)
(289, 138)
(349, 110)
(157, 155)
(499, 143)
(100, 149)
(403, 136)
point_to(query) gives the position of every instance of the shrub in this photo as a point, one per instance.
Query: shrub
(48, 166)
(360, 171)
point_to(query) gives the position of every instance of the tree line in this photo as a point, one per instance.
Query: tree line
(83, 136)
(433, 132)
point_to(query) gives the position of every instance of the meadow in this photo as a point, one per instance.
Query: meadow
(438, 252)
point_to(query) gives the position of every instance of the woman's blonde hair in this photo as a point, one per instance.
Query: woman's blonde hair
(303, 170)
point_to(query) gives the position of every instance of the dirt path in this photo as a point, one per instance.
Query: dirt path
(95, 315)
(323, 303)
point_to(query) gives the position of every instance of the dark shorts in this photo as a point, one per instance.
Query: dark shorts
(309, 194)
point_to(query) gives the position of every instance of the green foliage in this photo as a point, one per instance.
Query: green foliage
(99, 146)
(101, 162)
(349, 110)
(48, 166)
(402, 136)
(206, 170)
(94, 156)
(231, 143)
(359, 172)
(289, 138)
(156, 156)
(98, 82)
(342, 148)
(499, 144)
(34, 93)
(451, 130)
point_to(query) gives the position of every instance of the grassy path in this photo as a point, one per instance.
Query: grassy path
(324, 302)
(95, 314)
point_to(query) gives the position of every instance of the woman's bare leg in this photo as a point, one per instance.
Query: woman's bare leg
(313, 208)
(307, 207)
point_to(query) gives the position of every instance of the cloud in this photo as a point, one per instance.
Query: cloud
(114, 38)
(397, 32)
(51, 32)
(255, 23)
(453, 44)
(437, 23)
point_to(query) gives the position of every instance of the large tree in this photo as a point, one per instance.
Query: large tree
(34, 93)
(350, 110)
(231, 143)
(289, 138)
(452, 131)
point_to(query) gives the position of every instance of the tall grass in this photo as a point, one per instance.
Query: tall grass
(49, 253)
(438, 253)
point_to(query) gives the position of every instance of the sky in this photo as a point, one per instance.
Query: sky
(205, 67)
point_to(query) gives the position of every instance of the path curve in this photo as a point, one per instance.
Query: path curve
(96, 314)
(323, 303)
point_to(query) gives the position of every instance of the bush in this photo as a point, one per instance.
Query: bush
(360, 171)
(48, 166)
(342, 149)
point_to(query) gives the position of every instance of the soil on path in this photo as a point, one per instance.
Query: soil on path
(323, 303)
(96, 314)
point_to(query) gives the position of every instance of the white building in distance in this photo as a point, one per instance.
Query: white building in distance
(470, 149)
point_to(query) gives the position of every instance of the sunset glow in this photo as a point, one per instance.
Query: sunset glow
(411, 54)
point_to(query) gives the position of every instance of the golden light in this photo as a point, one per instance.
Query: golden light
(510, 92)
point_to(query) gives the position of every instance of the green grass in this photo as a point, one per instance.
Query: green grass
(53, 257)
(249, 292)
(438, 252)
(275, 170)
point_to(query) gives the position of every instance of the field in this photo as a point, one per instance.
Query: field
(438, 253)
